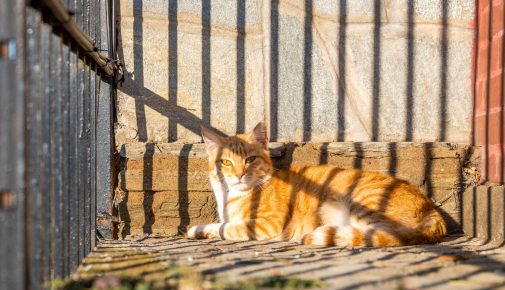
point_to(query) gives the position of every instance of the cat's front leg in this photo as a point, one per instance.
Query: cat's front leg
(206, 231)
(258, 229)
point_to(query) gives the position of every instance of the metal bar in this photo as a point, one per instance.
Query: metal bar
(104, 160)
(33, 128)
(103, 45)
(86, 160)
(60, 13)
(66, 149)
(12, 145)
(73, 167)
(18, 123)
(86, 24)
(44, 154)
(78, 12)
(92, 173)
(92, 21)
(56, 155)
(104, 133)
(81, 156)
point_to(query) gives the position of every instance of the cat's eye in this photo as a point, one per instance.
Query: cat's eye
(250, 159)
(226, 162)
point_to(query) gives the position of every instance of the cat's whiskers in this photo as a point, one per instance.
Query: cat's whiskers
(261, 183)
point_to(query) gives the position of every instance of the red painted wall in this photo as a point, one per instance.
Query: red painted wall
(488, 122)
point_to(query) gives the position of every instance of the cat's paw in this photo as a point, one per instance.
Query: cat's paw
(204, 231)
(196, 232)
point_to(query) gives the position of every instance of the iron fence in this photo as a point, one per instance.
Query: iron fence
(56, 85)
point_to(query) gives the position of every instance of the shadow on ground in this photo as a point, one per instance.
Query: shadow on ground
(458, 262)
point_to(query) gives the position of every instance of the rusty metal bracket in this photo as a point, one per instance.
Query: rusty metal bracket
(7, 199)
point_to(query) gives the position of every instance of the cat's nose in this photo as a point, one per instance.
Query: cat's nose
(239, 175)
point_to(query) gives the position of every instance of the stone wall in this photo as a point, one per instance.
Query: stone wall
(320, 70)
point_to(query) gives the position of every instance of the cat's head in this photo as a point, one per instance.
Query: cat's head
(240, 162)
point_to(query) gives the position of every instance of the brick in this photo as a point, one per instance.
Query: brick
(495, 91)
(496, 59)
(495, 133)
(483, 5)
(490, 124)
(497, 18)
(482, 64)
(489, 90)
(483, 31)
(480, 125)
(496, 165)
(480, 97)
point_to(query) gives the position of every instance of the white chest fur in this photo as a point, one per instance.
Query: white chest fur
(222, 194)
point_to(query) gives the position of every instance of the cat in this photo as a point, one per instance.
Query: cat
(316, 205)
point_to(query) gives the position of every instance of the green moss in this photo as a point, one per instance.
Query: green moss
(277, 282)
(183, 277)
(125, 283)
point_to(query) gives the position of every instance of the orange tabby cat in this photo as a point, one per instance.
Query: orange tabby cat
(318, 205)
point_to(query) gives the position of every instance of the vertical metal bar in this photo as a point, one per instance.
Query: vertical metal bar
(66, 149)
(86, 4)
(95, 92)
(19, 124)
(92, 172)
(12, 275)
(44, 155)
(56, 154)
(104, 136)
(104, 159)
(80, 155)
(72, 6)
(78, 12)
(73, 165)
(92, 20)
(100, 16)
(86, 159)
(33, 128)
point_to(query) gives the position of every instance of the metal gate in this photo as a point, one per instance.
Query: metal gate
(56, 92)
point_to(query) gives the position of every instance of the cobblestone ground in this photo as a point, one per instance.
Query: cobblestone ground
(458, 263)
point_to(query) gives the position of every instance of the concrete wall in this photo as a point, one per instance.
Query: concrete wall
(320, 70)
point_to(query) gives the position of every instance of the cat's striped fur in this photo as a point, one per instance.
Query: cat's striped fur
(321, 205)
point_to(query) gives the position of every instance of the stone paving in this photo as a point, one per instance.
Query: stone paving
(458, 263)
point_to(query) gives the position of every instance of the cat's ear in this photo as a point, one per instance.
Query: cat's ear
(212, 141)
(259, 134)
